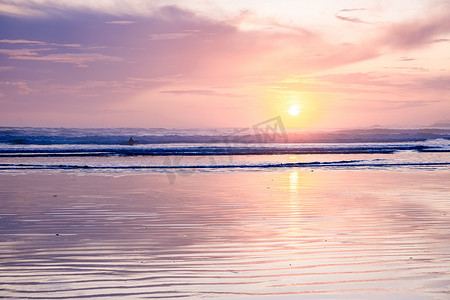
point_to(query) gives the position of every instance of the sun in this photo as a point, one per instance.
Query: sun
(294, 110)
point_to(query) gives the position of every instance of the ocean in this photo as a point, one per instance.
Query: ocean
(224, 214)
(158, 149)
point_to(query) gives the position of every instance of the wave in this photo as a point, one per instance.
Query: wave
(335, 164)
(103, 149)
(142, 136)
(221, 149)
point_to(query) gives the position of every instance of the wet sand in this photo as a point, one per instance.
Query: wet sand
(328, 234)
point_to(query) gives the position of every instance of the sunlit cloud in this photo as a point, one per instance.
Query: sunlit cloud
(199, 92)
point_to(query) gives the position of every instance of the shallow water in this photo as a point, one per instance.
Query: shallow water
(327, 234)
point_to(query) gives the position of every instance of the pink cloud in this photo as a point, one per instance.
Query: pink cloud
(199, 92)
(416, 33)
(223, 50)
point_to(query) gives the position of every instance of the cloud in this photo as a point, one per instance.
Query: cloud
(101, 90)
(352, 9)
(407, 104)
(341, 17)
(199, 92)
(21, 42)
(385, 38)
(16, 8)
(19, 52)
(77, 59)
(45, 8)
(6, 68)
(348, 19)
(6, 41)
(200, 46)
(384, 104)
(120, 22)
(21, 87)
(406, 59)
(416, 33)
(369, 83)
(405, 34)
(197, 47)
(162, 79)
(440, 40)
(398, 80)
(436, 83)
(420, 69)
(171, 35)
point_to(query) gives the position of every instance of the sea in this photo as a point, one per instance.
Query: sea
(107, 150)
(227, 214)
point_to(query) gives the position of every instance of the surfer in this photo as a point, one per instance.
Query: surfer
(130, 141)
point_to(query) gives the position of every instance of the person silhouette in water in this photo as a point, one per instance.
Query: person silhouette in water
(130, 141)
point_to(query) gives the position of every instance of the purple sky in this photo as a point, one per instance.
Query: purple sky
(224, 63)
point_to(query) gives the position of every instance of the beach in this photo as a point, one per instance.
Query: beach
(225, 150)
(278, 233)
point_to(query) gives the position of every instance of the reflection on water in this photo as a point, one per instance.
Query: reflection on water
(323, 234)
(293, 181)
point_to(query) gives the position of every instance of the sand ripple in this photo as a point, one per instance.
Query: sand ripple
(322, 235)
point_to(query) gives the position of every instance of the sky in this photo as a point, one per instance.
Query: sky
(234, 63)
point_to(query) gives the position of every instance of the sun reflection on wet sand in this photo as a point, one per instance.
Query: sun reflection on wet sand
(293, 181)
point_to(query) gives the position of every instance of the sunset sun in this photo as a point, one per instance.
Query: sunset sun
(294, 110)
